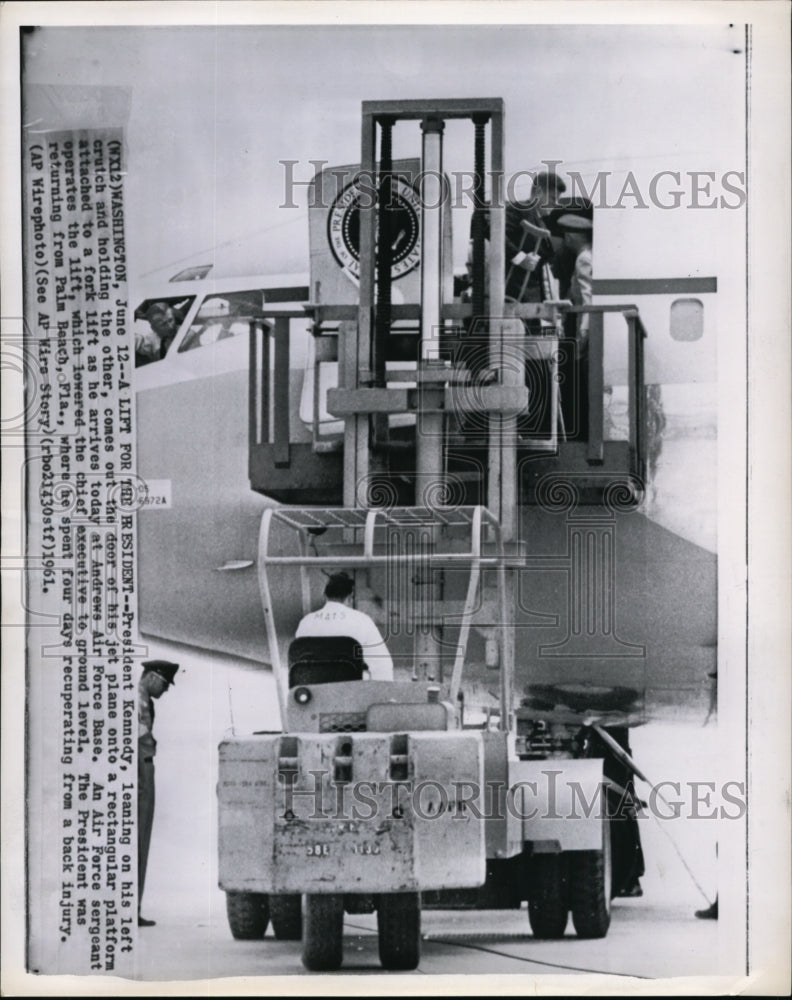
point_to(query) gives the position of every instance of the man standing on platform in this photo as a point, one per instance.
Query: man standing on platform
(524, 260)
(157, 677)
(577, 233)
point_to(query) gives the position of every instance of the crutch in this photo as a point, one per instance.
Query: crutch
(540, 233)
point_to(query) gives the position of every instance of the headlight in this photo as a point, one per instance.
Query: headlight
(302, 695)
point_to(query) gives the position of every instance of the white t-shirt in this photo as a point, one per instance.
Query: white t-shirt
(336, 618)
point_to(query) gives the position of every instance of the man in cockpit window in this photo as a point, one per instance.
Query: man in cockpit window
(338, 617)
(164, 321)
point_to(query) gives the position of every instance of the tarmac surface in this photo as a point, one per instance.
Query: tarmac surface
(645, 940)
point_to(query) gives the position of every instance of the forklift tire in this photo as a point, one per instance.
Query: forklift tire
(591, 879)
(248, 914)
(399, 930)
(286, 916)
(323, 932)
(548, 907)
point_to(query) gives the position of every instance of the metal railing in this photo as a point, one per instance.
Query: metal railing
(636, 394)
(268, 395)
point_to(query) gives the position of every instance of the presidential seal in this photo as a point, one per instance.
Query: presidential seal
(343, 228)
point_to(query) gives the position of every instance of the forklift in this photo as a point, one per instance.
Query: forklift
(453, 784)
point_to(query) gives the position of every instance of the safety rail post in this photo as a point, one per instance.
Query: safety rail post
(258, 383)
(281, 393)
(253, 437)
(474, 581)
(281, 682)
(479, 222)
(264, 385)
(632, 388)
(596, 352)
(640, 408)
(636, 392)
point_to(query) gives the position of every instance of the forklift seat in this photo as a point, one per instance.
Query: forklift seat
(325, 660)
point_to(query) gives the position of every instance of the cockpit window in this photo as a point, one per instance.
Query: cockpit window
(157, 321)
(192, 273)
(222, 316)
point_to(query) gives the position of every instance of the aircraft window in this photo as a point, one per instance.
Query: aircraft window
(192, 273)
(687, 319)
(157, 321)
(221, 317)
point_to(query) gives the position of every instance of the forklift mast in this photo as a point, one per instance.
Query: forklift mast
(459, 419)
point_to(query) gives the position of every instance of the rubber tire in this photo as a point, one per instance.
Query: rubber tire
(591, 884)
(286, 916)
(548, 906)
(399, 930)
(323, 932)
(248, 914)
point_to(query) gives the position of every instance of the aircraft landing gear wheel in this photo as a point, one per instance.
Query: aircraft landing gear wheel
(548, 906)
(591, 877)
(323, 932)
(286, 916)
(248, 914)
(399, 928)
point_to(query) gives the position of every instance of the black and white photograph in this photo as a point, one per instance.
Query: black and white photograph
(396, 463)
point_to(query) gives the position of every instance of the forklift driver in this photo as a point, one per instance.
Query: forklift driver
(339, 618)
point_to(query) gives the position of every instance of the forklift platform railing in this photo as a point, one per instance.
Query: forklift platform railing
(357, 538)
(636, 334)
(269, 333)
(369, 529)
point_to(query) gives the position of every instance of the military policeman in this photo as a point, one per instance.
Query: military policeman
(155, 680)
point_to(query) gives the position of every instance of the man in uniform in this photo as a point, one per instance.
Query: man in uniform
(155, 680)
(338, 617)
(577, 234)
